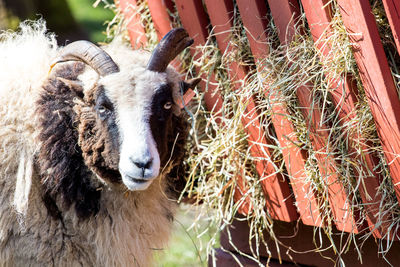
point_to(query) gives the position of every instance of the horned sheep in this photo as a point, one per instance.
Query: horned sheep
(91, 147)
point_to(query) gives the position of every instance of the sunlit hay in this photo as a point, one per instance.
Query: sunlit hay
(304, 67)
(386, 188)
(335, 66)
(389, 206)
(216, 160)
(220, 160)
(393, 58)
(363, 125)
(146, 21)
(284, 78)
(222, 179)
(387, 39)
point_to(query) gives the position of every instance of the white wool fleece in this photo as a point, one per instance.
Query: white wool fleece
(24, 64)
(129, 226)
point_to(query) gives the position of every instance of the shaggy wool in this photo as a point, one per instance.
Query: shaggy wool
(62, 202)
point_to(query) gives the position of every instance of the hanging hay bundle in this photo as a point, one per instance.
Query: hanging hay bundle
(222, 180)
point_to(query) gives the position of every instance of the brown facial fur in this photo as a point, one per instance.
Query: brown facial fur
(76, 142)
(60, 162)
(99, 145)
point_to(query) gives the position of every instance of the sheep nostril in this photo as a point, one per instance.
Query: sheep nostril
(143, 164)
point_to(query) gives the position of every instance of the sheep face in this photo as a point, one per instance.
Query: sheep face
(102, 125)
(136, 113)
(111, 115)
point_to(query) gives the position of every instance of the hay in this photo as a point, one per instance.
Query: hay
(219, 153)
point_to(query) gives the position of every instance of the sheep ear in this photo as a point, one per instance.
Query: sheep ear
(75, 85)
(185, 95)
(189, 84)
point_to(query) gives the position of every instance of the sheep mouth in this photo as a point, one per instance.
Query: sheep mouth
(138, 181)
(136, 184)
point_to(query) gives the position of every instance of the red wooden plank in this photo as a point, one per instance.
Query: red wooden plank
(392, 8)
(285, 13)
(195, 21)
(278, 197)
(253, 15)
(344, 95)
(376, 78)
(135, 29)
(159, 13)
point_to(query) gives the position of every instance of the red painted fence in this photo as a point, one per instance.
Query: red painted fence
(357, 17)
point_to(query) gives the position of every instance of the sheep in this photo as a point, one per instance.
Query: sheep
(91, 148)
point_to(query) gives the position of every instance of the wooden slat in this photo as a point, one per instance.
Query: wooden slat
(135, 29)
(376, 78)
(159, 13)
(277, 193)
(253, 15)
(344, 96)
(284, 13)
(392, 8)
(194, 20)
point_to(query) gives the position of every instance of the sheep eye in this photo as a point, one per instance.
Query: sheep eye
(168, 105)
(103, 110)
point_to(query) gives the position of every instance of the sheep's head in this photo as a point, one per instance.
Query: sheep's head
(126, 115)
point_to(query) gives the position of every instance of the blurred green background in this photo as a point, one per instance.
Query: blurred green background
(92, 20)
(78, 19)
(69, 19)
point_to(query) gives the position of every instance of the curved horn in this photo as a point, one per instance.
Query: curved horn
(173, 43)
(90, 54)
